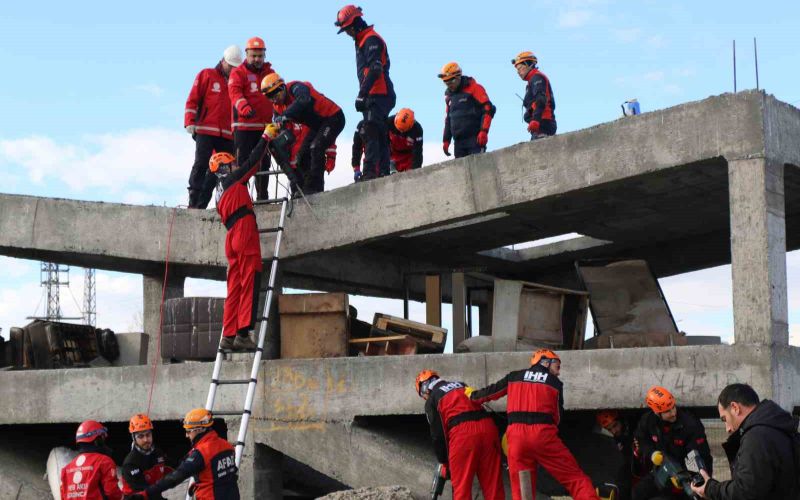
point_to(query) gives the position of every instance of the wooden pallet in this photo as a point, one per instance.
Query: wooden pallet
(384, 346)
(400, 326)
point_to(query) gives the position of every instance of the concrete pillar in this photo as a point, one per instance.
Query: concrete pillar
(459, 297)
(485, 313)
(151, 314)
(433, 300)
(505, 320)
(261, 470)
(758, 251)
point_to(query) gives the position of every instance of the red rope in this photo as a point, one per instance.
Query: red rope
(154, 371)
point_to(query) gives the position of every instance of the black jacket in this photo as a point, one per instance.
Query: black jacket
(761, 455)
(140, 471)
(675, 440)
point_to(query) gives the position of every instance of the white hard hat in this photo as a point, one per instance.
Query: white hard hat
(233, 55)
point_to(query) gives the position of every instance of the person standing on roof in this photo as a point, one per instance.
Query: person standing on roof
(405, 143)
(92, 475)
(242, 245)
(207, 119)
(300, 102)
(672, 431)
(251, 110)
(211, 462)
(468, 113)
(535, 404)
(464, 436)
(376, 96)
(539, 102)
(145, 464)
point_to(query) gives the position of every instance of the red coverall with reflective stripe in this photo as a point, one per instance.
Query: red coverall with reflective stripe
(465, 438)
(242, 245)
(90, 476)
(534, 407)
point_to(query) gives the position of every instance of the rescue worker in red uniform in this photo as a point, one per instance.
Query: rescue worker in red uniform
(207, 119)
(251, 110)
(242, 245)
(92, 475)
(539, 102)
(535, 405)
(376, 96)
(300, 102)
(468, 113)
(405, 144)
(464, 436)
(211, 461)
(674, 432)
(145, 464)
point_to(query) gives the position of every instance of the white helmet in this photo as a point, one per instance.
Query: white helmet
(233, 55)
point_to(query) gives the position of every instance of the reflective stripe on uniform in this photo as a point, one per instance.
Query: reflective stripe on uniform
(239, 100)
(249, 125)
(191, 111)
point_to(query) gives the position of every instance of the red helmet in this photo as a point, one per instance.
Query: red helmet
(346, 16)
(90, 430)
(659, 399)
(255, 43)
(543, 354)
(423, 377)
(607, 417)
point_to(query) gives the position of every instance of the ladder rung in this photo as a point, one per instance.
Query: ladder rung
(271, 230)
(230, 413)
(240, 351)
(239, 443)
(269, 259)
(269, 201)
(234, 381)
(269, 172)
(267, 289)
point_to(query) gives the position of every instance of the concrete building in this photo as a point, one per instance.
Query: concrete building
(686, 188)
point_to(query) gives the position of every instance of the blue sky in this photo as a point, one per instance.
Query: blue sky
(96, 109)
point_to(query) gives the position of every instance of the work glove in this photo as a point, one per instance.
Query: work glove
(533, 127)
(272, 130)
(330, 159)
(191, 129)
(468, 391)
(446, 148)
(483, 138)
(248, 111)
(361, 104)
(357, 174)
(445, 471)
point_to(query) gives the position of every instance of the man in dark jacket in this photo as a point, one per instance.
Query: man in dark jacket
(672, 431)
(760, 449)
(539, 103)
(145, 464)
(468, 113)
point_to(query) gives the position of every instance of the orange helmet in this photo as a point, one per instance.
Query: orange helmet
(198, 418)
(219, 161)
(255, 43)
(543, 354)
(404, 120)
(423, 377)
(271, 83)
(659, 399)
(90, 430)
(346, 16)
(140, 423)
(450, 71)
(607, 417)
(526, 56)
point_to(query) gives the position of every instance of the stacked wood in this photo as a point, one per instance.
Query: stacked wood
(392, 335)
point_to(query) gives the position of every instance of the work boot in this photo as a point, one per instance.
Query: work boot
(227, 343)
(243, 343)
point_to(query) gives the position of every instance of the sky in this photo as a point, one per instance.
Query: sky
(96, 112)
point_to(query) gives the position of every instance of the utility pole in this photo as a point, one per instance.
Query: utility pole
(89, 297)
(53, 276)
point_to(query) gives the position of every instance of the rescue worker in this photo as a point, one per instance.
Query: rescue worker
(405, 143)
(211, 461)
(376, 96)
(539, 102)
(535, 404)
(763, 449)
(284, 145)
(242, 245)
(92, 475)
(208, 120)
(464, 436)
(468, 113)
(145, 464)
(673, 432)
(251, 110)
(630, 471)
(300, 102)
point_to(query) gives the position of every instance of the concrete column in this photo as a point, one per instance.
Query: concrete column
(485, 313)
(758, 251)
(459, 297)
(151, 314)
(433, 300)
(261, 471)
(505, 320)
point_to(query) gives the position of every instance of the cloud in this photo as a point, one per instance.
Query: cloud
(656, 42)
(654, 76)
(15, 268)
(150, 88)
(628, 35)
(574, 18)
(794, 334)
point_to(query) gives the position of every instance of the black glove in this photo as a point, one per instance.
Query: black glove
(361, 104)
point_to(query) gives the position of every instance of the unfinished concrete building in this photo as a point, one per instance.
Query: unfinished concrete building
(686, 188)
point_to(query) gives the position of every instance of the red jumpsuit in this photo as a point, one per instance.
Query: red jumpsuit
(242, 245)
(534, 407)
(465, 438)
(92, 475)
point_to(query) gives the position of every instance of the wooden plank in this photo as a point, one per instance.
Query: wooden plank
(433, 300)
(305, 303)
(459, 299)
(377, 339)
(394, 324)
